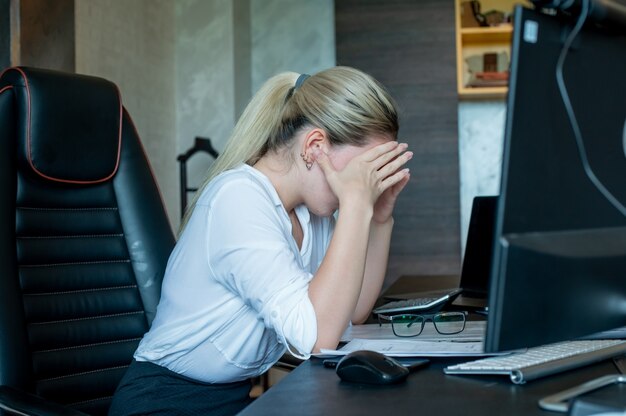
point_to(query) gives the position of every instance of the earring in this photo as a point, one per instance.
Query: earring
(307, 162)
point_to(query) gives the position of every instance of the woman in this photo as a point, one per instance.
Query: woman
(261, 265)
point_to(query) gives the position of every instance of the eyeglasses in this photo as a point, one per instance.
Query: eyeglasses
(446, 323)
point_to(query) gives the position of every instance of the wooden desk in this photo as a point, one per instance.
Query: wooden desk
(312, 389)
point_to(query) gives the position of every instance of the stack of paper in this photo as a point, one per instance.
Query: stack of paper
(429, 343)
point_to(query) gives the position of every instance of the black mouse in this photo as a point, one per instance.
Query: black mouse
(370, 367)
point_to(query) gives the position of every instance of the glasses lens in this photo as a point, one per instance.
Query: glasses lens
(407, 325)
(449, 323)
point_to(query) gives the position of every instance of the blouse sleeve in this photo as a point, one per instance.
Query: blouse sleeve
(249, 252)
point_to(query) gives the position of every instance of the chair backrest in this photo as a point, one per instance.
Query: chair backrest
(84, 237)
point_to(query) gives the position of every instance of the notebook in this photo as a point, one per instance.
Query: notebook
(474, 280)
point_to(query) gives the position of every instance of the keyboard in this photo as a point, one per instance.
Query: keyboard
(411, 305)
(544, 360)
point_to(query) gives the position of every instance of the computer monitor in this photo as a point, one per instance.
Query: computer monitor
(559, 268)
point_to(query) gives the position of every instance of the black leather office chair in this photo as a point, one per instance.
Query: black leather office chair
(84, 240)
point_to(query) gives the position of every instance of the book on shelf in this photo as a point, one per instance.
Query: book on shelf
(489, 79)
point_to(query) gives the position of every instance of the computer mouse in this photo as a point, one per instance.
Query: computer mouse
(370, 367)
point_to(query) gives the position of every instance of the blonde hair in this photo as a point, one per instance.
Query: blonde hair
(346, 103)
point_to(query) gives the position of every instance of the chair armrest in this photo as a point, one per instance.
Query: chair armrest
(18, 402)
(287, 362)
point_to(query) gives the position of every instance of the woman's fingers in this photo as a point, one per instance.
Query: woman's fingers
(376, 152)
(323, 161)
(387, 157)
(394, 164)
(394, 179)
(386, 161)
(370, 173)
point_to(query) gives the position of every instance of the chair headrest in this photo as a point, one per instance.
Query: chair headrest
(68, 125)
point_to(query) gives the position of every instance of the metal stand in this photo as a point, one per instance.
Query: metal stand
(201, 144)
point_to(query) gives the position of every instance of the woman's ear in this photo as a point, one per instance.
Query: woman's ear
(315, 139)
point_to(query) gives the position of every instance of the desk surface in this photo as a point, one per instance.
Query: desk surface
(312, 389)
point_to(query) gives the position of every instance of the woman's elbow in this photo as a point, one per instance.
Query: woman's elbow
(360, 317)
(325, 345)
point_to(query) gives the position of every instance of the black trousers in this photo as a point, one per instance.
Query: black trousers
(149, 389)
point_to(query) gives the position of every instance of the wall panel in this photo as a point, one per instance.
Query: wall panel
(46, 31)
(408, 45)
(5, 33)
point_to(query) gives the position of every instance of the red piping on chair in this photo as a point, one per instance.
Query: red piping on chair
(8, 87)
(30, 161)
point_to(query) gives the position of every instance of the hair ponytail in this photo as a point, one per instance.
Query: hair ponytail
(347, 103)
(248, 141)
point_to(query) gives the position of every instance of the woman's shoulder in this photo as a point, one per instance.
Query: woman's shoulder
(241, 182)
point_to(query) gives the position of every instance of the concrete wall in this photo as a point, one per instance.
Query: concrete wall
(225, 50)
(46, 34)
(205, 77)
(290, 35)
(481, 137)
(187, 68)
(131, 43)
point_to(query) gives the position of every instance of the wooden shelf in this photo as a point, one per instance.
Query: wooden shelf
(476, 41)
(486, 35)
(482, 92)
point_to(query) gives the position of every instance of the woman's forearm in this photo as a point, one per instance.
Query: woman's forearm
(335, 289)
(375, 269)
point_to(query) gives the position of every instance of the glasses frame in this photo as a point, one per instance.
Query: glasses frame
(425, 317)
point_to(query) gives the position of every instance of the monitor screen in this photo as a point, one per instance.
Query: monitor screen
(559, 267)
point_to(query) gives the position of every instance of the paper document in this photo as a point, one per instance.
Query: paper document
(412, 348)
(429, 343)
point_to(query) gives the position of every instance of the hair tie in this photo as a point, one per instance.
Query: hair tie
(300, 80)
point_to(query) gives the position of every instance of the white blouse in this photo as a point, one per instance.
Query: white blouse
(235, 291)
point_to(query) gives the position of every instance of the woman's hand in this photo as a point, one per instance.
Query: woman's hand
(367, 188)
(375, 177)
(383, 209)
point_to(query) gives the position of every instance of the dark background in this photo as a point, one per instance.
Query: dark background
(409, 46)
